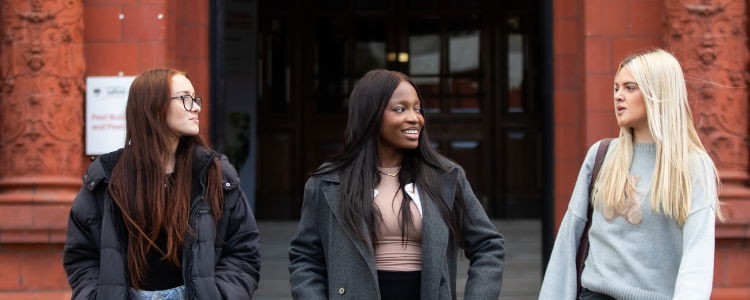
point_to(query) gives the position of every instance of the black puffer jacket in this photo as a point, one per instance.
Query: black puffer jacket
(223, 266)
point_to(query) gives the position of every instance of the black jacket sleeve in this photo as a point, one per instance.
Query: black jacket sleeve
(81, 253)
(238, 271)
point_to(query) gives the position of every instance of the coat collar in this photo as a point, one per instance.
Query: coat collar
(101, 169)
(435, 232)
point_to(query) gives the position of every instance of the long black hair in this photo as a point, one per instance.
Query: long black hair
(358, 160)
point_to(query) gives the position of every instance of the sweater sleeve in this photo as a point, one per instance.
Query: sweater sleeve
(560, 278)
(695, 277)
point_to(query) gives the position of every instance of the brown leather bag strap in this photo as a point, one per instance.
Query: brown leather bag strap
(583, 247)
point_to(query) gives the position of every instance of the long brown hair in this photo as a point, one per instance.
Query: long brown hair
(139, 178)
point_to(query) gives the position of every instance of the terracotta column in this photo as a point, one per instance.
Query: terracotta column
(709, 38)
(41, 117)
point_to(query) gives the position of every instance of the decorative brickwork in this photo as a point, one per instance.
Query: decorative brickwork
(41, 104)
(42, 66)
(709, 37)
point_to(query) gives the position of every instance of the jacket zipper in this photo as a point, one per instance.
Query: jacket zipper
(194, 212)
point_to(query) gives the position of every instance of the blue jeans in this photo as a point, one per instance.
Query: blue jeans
(177, 293)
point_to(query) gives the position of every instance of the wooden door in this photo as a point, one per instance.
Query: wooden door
(473, 63)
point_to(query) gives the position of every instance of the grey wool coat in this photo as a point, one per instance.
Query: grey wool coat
(327, 262)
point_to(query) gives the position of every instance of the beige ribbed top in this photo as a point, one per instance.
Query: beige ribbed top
(390, 253)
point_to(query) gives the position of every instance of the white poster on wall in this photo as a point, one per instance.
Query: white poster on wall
(106, 98)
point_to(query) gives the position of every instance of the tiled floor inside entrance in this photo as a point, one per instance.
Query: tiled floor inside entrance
(522, 278)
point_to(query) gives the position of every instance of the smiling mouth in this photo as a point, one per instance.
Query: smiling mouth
(410, 131)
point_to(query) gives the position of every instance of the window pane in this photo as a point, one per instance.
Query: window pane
(331, 67)
(424, 46)
(370, 47)
(516, 64)
(464, 45)
(464, 105)
(427, 86)
(277, 56)
(431, 105)
(463, 86)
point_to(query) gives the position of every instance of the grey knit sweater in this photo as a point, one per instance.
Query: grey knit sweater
(636, 253)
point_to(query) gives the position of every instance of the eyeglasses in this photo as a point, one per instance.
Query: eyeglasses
(187, 101)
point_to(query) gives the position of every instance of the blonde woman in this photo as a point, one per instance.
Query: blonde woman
(655, 202)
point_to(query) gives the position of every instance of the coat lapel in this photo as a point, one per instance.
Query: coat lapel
(332, 194)
(435, 237)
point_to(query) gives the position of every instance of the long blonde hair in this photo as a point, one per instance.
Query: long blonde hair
(662, 84)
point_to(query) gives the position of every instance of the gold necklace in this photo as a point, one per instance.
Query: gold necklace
(392, 175)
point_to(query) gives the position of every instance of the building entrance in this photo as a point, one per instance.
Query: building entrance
(475, 63)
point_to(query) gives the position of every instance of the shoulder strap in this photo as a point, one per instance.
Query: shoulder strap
(600, 154)
(583, 247)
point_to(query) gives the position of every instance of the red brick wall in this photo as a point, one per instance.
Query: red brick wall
(141, 40)
(731, 267)
(568, 56)
(32, 271)
(188, 48)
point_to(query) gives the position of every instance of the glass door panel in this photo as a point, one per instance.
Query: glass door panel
(516, 65)
(370, 45)
(464, 69)
(274, 84)
(464, 45)
(331, 68)
(425, 46)
(464, 104)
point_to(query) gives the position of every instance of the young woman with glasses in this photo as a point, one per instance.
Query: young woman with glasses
(386, 217)
(164, 217)
(654, 200)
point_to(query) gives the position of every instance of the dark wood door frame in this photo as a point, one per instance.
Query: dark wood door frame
(294, 123)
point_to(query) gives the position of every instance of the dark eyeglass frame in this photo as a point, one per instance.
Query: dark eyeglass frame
(196, 100)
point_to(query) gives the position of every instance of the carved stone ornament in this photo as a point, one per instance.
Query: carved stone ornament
(41, 94)
(709, 38)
